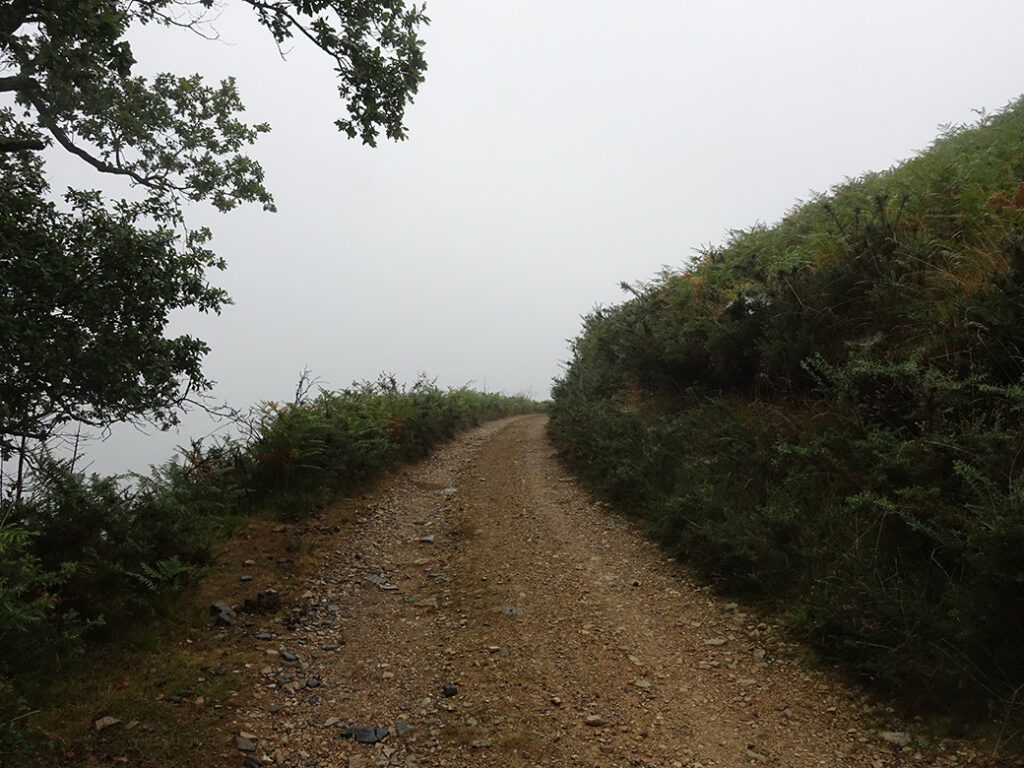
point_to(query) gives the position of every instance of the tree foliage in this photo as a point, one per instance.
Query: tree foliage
(86, 286)
(69, 65)
(83, 304)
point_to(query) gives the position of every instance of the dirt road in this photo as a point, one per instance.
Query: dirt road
(560, 635)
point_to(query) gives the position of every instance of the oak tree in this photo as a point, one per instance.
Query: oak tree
(87, 283)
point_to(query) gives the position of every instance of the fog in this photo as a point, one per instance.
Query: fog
(555, 149)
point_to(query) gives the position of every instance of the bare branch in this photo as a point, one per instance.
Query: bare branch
(193, 17)
(279, 10)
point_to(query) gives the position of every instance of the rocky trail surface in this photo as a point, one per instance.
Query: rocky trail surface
(482, 610)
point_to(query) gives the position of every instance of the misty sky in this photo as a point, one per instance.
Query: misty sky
(557, 148)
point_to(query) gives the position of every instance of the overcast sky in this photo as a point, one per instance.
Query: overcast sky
(557, 148)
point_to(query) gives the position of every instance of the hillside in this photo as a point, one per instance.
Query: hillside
(826, 414)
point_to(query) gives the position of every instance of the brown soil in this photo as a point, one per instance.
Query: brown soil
(569, 638)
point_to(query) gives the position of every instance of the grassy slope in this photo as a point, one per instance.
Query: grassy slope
(827, 413)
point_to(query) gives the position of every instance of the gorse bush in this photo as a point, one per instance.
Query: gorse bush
(827, 414)
(81, 556)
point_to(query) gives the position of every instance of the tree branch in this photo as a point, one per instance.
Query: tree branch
(278, 9)
(22, 432)
(19, 145)
(50, 124)
(19, 82)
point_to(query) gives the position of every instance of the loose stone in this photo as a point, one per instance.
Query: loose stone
(366, 734)
(244, 744)
(105, 722)
(899, 738)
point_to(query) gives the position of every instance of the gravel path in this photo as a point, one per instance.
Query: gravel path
(486, 612)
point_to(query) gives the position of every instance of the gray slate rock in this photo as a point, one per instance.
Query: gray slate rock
(223, 614)
(244, 744)
(366, 734)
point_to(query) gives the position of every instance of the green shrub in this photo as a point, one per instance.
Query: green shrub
(35, 632)
(826, 413)
(82, 556)
(302, 453)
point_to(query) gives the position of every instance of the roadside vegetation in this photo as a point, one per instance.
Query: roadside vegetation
(826, 414)
(88, 283)
(83, 559)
